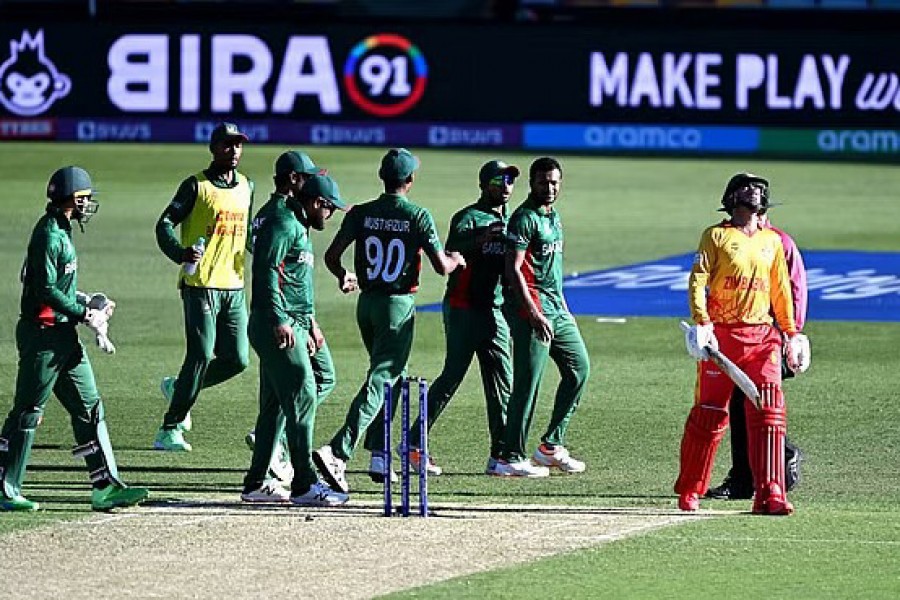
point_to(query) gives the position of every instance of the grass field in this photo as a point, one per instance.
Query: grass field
(844, 540)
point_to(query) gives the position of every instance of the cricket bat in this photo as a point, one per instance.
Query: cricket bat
(734, 372)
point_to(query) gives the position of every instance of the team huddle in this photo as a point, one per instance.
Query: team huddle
(504, 304)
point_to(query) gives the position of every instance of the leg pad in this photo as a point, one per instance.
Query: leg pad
(703, 431)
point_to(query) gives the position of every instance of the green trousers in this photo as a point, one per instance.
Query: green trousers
(530, 356)
(292, 384)
(386, 324)
(215, 329)
(52, 359)
(473, 332)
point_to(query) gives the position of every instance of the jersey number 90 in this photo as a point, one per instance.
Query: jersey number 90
(385, 262)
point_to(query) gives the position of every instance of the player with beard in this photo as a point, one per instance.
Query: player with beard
(214, 204)
(542, 327)
(293, 355)
(474, 324)
(738, 279)
(738, 484)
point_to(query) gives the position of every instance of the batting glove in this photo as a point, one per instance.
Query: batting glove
(797, 353)
(697, 338)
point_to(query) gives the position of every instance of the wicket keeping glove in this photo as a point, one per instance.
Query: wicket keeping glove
(97, 320)
(697, 338)
(797, 353)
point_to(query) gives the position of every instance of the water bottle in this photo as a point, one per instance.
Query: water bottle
(191, 267)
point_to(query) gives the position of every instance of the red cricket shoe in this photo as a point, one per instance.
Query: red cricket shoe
(689, 502)
(772, 501)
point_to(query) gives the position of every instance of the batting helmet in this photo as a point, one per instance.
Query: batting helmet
(73, 182)
(747, 190)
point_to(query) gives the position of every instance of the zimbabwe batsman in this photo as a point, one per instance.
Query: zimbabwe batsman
(739, 275)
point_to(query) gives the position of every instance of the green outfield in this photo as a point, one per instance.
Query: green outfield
(843, 541)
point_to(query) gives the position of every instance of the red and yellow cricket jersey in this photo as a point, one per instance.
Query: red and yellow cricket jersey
(738, 278)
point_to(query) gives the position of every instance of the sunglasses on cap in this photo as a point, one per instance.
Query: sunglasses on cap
(502, 179)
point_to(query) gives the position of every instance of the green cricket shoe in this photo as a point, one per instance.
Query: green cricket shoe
(167, 387)
(171, 440)
(117, 496)
(18, 504)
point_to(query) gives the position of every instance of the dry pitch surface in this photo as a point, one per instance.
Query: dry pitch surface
(217, 548)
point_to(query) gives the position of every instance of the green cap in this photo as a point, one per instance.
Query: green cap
(397, 165)
(69, 181)
(295, 161)
(494, 168)
(325, 187)
(226, 131)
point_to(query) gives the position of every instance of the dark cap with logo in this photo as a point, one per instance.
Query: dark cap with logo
(295, 161)
(325, 187)
(226, 131)
(397, 165)
(69, 181)
(494, 168)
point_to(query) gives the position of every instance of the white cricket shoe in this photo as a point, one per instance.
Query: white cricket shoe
(270, 491)
(378, 469)
(281, 467)
(320, 494)
(332, 468)
(491, 468)
(558, 458)
(522, 468)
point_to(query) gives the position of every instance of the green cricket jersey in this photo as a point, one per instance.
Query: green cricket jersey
(480, 284)
(282, 263)
(49, 274)
(540, 235)
(390, 232)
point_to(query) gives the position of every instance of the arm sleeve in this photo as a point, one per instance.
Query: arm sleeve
(430, 241)
(248, 244)
(272, 245)
(176, 212)
(42, 260)
(797, 273)
(704, 262)
(781, 293)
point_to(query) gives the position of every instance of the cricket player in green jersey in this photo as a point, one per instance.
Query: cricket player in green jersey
(51, 357)
(302, 166)
(390, 234)
(542, 327)
(283, 331)
(474, 324)
(214, 206)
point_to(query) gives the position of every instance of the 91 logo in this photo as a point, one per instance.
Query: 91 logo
(385, 75)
